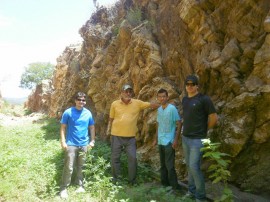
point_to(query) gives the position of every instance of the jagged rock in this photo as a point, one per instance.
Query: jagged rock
(40, 99)
(226, 43)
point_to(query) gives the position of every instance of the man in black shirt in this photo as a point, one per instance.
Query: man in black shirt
(199, 115)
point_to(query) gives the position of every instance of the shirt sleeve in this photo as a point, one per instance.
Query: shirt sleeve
(64, 119)
(176, 114)
(91, 120)
(208, 105)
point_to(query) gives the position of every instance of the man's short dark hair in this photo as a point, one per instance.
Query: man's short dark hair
(80, 94)
(162, 90)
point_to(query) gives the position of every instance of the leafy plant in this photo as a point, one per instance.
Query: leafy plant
(134, 16)
(218, 168)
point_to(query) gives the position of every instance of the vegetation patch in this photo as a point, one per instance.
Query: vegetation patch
(32, 162)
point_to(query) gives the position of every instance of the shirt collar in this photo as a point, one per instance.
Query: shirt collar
(125, 103)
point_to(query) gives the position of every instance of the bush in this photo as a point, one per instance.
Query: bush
(134, 16)
(218, 168)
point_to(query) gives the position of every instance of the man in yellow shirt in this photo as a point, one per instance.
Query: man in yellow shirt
(122, 126)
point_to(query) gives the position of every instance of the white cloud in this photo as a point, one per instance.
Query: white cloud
(5, 22)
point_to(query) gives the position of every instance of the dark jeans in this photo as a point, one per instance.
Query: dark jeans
(74, 157)
(167, 171)
(129, 143)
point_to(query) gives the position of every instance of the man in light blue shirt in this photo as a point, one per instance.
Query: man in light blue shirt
(167, 137)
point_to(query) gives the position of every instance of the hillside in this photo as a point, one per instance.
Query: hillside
(156, 43)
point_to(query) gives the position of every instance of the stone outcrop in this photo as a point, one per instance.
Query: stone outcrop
(40, 98)
(226, 43)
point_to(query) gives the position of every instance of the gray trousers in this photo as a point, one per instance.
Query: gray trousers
(129, 144)
(74, 157)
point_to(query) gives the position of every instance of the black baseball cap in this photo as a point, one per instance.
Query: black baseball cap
(192, 78)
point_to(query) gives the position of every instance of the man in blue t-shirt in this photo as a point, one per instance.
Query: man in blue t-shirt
(77, 124)
(199, 115)
(167, 137)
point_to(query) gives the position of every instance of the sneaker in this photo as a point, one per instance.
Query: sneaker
(64, 194)
(189, 195)
(80, 190)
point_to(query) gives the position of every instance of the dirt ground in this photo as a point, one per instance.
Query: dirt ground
(8, 120)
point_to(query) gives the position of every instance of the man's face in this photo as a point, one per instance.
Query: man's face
(162, 98)
(80, 102)
(191, 87)
(127, 94)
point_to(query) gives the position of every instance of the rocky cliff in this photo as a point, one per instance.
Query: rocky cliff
(157, 43)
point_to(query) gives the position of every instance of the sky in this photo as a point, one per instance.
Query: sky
(37, 31)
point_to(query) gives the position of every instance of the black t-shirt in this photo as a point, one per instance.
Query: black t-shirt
(195, 115)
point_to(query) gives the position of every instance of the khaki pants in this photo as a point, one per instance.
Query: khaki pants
(74, 158)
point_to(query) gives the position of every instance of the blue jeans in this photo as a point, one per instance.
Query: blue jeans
(74, 157)
(193, 155)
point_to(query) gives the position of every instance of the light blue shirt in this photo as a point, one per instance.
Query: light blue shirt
(77, 122)
(167, 119)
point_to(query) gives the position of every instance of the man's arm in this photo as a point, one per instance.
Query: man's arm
(178, 131)
(108, 132)
(155, 136)
(212, 120)
(63, 136)
(93, 135)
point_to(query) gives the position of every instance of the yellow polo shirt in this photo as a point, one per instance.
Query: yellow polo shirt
(125, 117)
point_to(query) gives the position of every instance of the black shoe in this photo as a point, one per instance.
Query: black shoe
(133, 183)
(178, 189)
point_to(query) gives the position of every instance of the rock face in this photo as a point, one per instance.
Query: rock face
(226, 43)
(39, 99)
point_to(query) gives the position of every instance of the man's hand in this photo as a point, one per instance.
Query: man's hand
(154, 143)
(91, 144)
(174, 144)
(108, 132)
(109, 127)
(154, 105)
(64, 145)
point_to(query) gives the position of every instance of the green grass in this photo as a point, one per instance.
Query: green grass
(31, 165)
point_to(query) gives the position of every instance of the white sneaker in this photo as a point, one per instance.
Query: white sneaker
(64, 194)
(80, 190)
(189, 195)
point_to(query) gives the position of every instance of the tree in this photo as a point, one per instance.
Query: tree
(35, 73)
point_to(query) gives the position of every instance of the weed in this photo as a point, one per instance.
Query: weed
(134, 16)
(219, 167)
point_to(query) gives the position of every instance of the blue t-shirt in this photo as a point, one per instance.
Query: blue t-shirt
(77, 122)
(167, 119)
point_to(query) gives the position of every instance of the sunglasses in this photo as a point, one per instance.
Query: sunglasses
(191, 84)
(81, 100)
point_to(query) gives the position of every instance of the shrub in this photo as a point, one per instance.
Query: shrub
(134, 16)
(219, 167)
